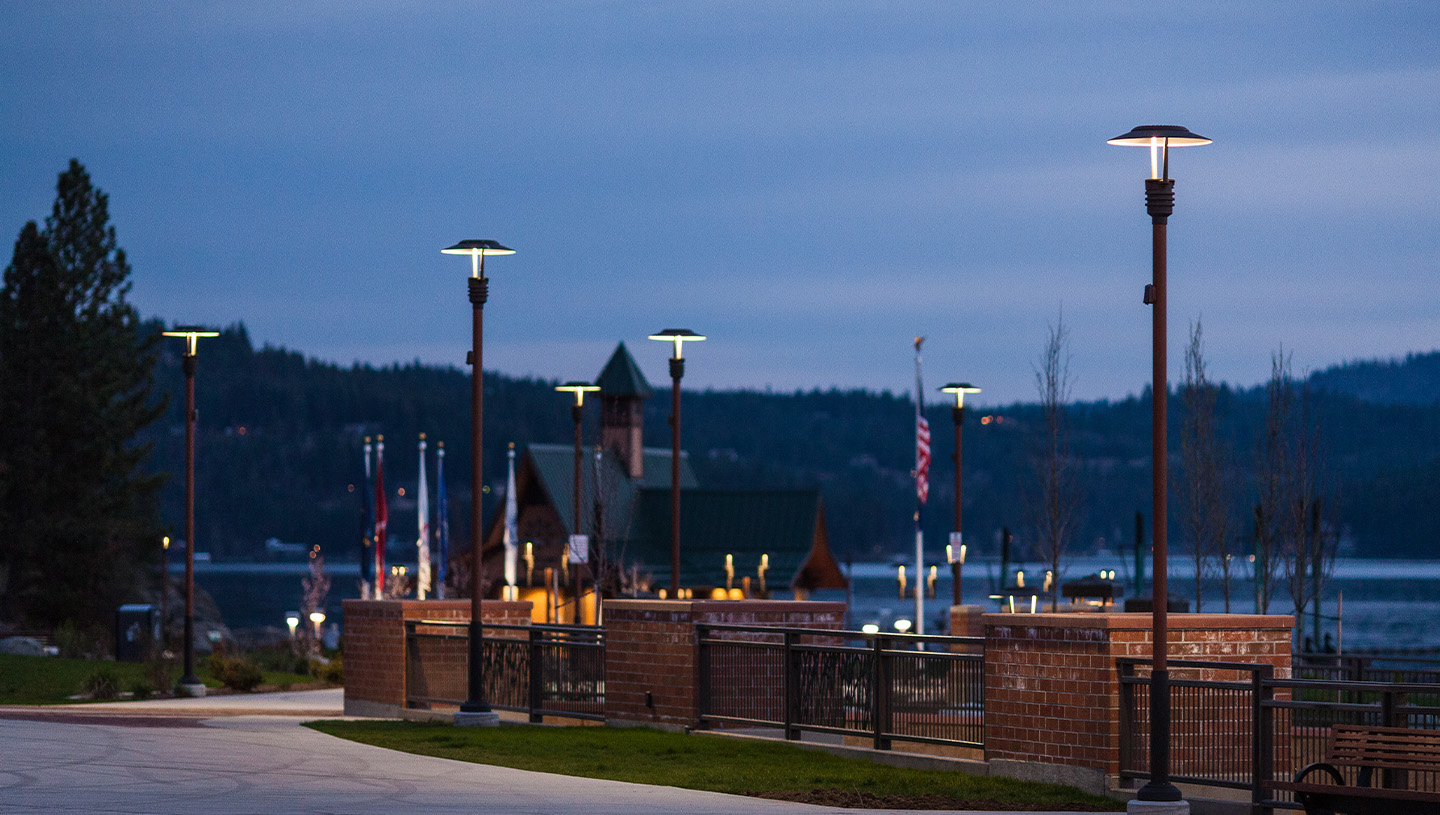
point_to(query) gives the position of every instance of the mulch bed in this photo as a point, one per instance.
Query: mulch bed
(855, 799)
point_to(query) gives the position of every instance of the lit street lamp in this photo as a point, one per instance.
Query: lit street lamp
(955, 552)
(679, 336)
(578, 549)
(1159, 203)
(189, 683)
(475, 711)
(164, 590)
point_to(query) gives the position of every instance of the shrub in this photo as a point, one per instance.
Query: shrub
(236, 672)
(331, 671)
(102, 683)
(142, 689)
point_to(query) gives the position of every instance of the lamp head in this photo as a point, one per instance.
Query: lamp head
(477, 250)
(579, 389)
(679, 336)
(317, 617)
(192, 335)
(1159, 138)
(959, 389)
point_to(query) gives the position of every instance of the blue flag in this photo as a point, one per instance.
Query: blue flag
(442, 512)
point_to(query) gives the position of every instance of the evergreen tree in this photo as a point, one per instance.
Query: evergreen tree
(79, 516)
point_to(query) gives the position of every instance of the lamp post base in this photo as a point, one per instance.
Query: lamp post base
(194, 690)
(488, 718)
(1136, 807)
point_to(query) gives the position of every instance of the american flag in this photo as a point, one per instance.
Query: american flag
(922, 458)
(922, 435)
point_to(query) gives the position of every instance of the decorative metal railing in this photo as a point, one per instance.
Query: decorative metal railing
(542, 670)
(884, 687)
(1240, 726)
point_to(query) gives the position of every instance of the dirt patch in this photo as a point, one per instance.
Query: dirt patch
(855, 799)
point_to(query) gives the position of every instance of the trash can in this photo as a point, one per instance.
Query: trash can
(137, 626)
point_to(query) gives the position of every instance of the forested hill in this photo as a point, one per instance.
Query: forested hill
(1414, 380)
(280, 441)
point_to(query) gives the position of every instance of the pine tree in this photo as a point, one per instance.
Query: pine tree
(79, 516)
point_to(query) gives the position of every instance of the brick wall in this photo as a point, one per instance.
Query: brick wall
(1052, 688)
(651, 647)
(374, 645)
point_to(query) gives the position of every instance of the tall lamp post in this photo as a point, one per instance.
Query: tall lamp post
(189, 683)
(956, 549)
(1159, 203)
(579, 544)
(679, 336)
(475, 711)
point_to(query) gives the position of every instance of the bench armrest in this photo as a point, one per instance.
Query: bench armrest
(1321, 766)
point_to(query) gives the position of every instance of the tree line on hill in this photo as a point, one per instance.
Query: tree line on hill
(92, 440)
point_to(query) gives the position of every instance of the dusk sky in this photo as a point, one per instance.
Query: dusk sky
(809, 184)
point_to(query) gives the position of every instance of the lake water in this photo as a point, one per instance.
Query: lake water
(1388, 604)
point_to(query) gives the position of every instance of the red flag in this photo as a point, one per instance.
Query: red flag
(922, 457)
(382, 516)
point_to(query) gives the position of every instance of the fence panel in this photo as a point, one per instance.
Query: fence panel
(539, 670)
(843, 682)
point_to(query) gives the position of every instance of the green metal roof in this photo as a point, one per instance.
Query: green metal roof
(555, 467)
(622, 377)
(742, 523)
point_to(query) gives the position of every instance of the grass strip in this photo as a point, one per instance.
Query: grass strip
(26, 680)
(743, 767)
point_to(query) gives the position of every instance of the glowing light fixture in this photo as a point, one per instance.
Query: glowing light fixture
(192, 335)
(477, 250)
(679, 336)
(579, 389)
(959, 389)
(1159, 138)
(903, 626)
(870, 628)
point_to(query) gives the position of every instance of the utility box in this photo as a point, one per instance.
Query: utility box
(137, 627)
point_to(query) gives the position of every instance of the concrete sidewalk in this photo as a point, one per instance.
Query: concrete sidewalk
(236, 755)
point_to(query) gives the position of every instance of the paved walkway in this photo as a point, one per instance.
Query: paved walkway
(237, 755)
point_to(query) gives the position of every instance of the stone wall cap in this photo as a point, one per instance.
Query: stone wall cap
(1140, 620)
(726, 606)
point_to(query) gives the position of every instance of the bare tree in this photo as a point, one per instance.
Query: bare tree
(1205, 493)
(1307, 542)
(1272, 462)
(1058, 501)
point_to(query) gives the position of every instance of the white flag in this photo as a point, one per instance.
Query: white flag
(512, 512)
(423, 543)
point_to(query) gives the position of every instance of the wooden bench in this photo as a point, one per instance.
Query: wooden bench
(1402, 755)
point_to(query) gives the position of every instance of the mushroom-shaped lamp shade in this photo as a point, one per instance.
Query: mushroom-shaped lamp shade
(192, 335)
(679, 336)
(579, 389)
(1159, 138)
(959, 389)
(477, 250)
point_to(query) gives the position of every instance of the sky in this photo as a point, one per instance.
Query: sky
(809, 184)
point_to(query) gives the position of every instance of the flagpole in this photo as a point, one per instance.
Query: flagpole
(367, 531)
(442, 509)
(382, 518)
(422, 543)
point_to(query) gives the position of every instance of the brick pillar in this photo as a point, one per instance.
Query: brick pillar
(1052, 688)
(374, 645)
(651, 648)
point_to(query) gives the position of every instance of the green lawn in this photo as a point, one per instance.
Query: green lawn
(52, 680)
(745, 767)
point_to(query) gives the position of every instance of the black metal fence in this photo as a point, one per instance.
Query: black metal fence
(1239, 726)
(884, 687)
(542, 670)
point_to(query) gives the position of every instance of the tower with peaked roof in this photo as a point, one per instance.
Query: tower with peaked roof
(623, 389)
